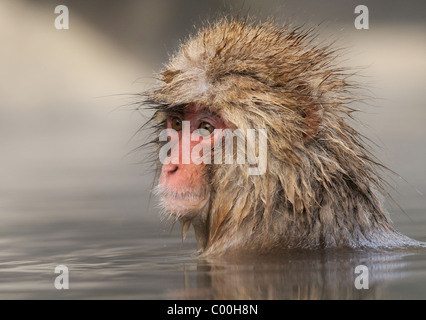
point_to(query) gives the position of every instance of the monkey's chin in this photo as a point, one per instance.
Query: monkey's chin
(182, 208)
(181, 205)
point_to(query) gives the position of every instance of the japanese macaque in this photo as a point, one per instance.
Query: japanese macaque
(319, 187)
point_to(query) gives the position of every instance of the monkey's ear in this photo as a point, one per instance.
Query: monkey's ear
(310, 111)
(312, 119)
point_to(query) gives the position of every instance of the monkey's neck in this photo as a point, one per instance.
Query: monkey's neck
(201, 229)
(330, 225)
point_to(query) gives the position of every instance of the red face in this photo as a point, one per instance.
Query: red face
(183, 184)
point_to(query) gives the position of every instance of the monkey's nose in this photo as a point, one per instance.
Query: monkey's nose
(170, 168)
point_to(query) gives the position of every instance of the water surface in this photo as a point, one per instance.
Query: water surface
(142, 259)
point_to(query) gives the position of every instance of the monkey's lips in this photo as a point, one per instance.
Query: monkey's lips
(181, 202)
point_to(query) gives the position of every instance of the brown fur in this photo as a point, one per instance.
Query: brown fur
(321, 188)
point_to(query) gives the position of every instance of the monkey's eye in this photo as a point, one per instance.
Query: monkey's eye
(176, 124)
(205, 129)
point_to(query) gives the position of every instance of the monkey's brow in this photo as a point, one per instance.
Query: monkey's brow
(178, 108)
(207, 113)
(175, 113)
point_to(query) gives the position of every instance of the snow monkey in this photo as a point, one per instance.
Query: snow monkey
(319, 186)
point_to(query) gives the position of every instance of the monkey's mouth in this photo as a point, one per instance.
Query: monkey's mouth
(180, 202)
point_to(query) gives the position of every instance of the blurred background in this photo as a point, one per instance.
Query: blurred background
(66, 120)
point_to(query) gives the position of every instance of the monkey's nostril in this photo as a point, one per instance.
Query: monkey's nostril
(170, 168)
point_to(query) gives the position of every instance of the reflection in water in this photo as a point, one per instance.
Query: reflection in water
(118, 260)
(297, 274)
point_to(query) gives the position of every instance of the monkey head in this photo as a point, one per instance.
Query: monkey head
(319, 186)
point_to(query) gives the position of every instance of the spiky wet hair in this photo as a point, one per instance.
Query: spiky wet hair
(321, 187)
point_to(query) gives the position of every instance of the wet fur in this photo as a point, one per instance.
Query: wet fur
(321, 188)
